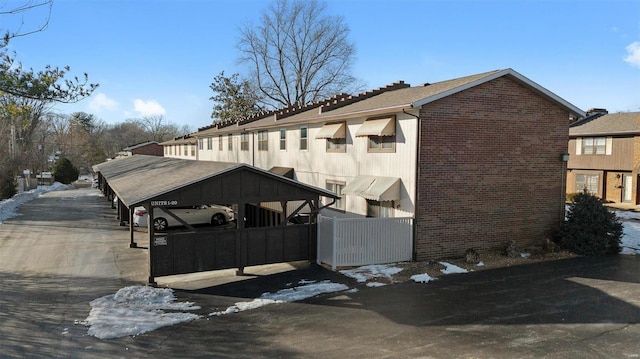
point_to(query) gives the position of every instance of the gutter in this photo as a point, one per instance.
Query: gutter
(416, 201)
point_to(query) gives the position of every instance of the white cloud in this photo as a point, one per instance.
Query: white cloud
(633, 54)
(101, 102)
(148, 108)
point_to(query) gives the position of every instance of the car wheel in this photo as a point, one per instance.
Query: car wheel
(160, 224)
(218, 219)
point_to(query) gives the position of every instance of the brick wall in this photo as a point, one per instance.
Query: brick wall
(490, 170)
(152, 149)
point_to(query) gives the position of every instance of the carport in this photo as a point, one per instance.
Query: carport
(255, 239)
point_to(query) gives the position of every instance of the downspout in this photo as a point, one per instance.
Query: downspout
(416, 181)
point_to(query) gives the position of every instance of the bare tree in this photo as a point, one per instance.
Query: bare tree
(20, 9)
(157, 128)
(298, 54)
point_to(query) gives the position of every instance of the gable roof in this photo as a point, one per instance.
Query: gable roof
(393, 98)
(135, 179)
(610, 124)
(143, 144)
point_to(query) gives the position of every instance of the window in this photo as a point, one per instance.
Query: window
(594, 145)
(200, 143)
(244, 142)
(263, 141)
(185, 149)
(304, 137)
(283, 139)
(219, 142)
(336, 144)
(336, 187)
(588, 182)
(335, 135)
(380, 133)
(380, 209)
(382, 143)
(230, 140)
(209, 143)
(193, 150)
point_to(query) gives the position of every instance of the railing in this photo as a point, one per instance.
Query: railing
(363, 241)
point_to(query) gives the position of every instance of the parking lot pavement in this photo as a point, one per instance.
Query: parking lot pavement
(573, 308)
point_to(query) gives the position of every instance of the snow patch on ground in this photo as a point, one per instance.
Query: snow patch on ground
(9, 207)
(135, 310)
(307, 290)
(631, 237)
(451, 269)
(366, 273)
(422, 278)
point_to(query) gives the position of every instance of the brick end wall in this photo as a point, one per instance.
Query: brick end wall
(490, 170)
(152, 149)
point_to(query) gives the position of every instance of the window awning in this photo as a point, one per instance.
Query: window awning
(379, 127)
(374, 188)
(332, 130)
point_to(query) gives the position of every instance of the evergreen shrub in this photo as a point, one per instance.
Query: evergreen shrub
(64, 171)
(590, 228)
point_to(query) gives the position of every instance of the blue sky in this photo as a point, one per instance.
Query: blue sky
(159, 57)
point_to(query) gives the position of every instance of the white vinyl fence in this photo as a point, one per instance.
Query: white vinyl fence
(362, 241)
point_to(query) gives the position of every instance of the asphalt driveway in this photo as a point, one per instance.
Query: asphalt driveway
(52, 264)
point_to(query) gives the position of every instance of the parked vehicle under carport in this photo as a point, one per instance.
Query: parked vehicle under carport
(205, 214)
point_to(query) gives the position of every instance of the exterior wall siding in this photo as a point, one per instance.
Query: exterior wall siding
(620, 159)
(315, 165)
(623, 160)
(490, 170)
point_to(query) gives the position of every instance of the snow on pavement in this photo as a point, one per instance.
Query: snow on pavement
(9, 207)
(307, 290)
(135, 310)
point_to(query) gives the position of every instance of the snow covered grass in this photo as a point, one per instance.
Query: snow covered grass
(631, 236)
(9, 207)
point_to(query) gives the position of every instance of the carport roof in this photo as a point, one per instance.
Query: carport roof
(141, 178)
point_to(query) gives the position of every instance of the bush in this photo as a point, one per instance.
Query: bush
(8, 185)
(65, 171)
(590, 228)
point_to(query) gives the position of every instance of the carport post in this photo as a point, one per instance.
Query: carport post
(152, 281)
(132, 243)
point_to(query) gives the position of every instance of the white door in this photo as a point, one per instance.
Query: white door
(626, 190)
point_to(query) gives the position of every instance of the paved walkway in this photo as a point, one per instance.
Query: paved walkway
(574, 308)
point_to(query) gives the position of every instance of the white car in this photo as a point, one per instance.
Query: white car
(205, 214)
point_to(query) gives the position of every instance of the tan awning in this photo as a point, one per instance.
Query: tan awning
(379, 127)
(375, 188)
(332, 130)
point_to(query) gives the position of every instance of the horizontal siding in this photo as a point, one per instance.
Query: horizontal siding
(621, 158)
